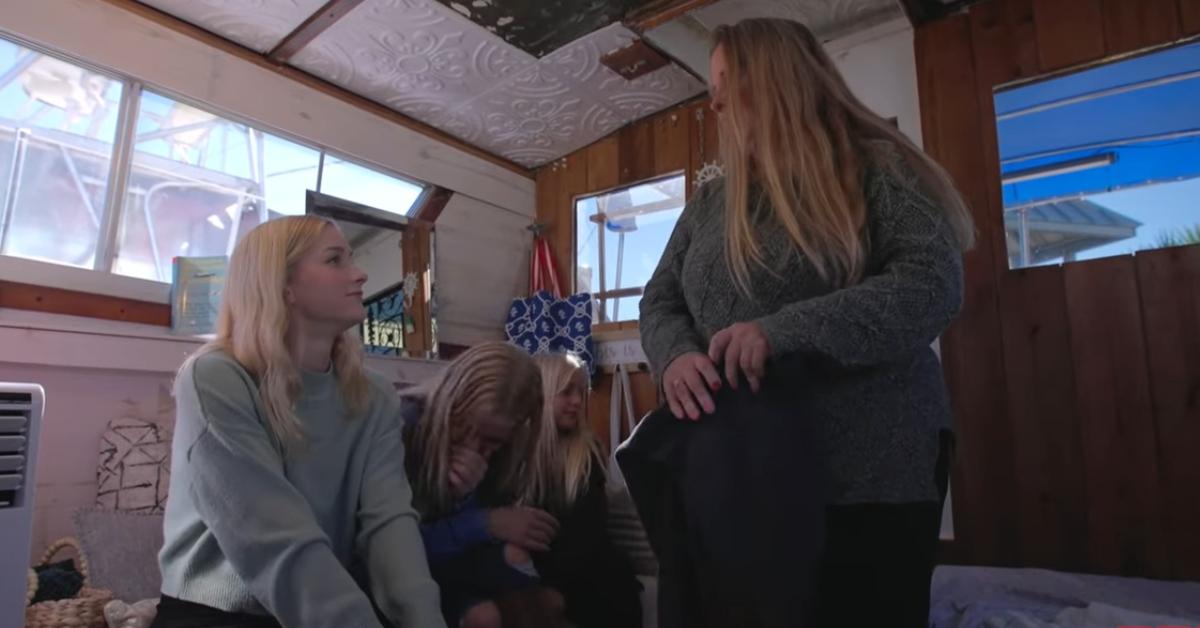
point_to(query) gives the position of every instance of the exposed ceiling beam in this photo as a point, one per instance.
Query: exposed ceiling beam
(433, 204)
(190, 30)
(660, 12)
(309, 29)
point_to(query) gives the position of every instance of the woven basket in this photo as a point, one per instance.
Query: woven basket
(85, 610)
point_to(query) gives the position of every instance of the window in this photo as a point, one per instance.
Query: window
(198, 182)
(367, 187)
(1102, 162)
(193, 181)
(58, 124)
(620, 236)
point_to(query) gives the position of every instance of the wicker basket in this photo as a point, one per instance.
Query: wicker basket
(85, 610)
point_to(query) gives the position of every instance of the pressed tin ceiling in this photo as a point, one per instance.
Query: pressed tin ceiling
(519, 78)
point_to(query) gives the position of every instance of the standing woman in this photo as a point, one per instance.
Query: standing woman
(289, 504)
(819, 270)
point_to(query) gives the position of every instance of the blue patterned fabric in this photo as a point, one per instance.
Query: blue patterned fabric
(544, 323)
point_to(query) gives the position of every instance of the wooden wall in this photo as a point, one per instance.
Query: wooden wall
(678, 139)
(1076, 388)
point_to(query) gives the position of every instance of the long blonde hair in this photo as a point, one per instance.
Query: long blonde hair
(807, 141)
(253, 324)
(566, 460)
(492, 377)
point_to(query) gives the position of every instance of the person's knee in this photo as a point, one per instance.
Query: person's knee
(516, 556)
(552, 601)
(482, 615)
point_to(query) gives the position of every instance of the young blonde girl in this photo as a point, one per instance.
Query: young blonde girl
(596, 581)
(285, 465)
(470, 433)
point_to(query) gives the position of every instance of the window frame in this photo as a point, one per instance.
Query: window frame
(100, 278)
(601, 297)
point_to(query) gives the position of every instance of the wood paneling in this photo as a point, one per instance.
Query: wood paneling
(1076, 389)
(415, 250)
(637, 151)
(1112, 387)
(1189, 16)
(1130, 26)
(1169, 283)
(603, 163)
(672, 141)
(984, 484)
(1068, 32)
(53, 300)
(705, 146)
(1047, 448)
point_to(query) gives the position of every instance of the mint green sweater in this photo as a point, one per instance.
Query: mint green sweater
(247, 530)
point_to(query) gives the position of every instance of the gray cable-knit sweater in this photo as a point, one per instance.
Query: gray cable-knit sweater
(872, 384)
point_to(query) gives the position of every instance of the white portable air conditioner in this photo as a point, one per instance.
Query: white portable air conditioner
(20, 419)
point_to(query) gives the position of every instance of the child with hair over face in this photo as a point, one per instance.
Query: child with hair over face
(469, 434)
(595, 579)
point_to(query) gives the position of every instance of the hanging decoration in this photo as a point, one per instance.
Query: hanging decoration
(708, 170)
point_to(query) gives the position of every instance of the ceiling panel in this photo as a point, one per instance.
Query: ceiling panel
(631, 100)
(417, 57)
(433, 64)
(255, 24)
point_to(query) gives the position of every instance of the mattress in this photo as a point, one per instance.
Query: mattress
(989, 597)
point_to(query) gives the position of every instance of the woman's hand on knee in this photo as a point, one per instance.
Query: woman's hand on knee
(744, 347)
(482, 615)
(687, 382)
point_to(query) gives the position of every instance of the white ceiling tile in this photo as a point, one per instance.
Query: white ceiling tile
(416, 56)
(631, 100)
(533, 118)
(256, 24)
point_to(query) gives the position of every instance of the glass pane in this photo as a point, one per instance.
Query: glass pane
(368, 187)
(637, 223)
(57, 126)
(1102, 162)
(199, 182)
(587, 246)
(383, 329)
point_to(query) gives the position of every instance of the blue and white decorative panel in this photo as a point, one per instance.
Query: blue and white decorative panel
(544, 323)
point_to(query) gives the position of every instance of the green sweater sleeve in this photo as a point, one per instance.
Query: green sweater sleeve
(389, 537)
(263, 525)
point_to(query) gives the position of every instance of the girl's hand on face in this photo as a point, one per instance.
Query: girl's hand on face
(467, 469)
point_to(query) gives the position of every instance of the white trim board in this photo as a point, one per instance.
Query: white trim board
(75, 342)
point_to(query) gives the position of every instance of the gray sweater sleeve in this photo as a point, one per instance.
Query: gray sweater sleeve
(913, 292)
(264, 526)
(389, 537)
(665, 323)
